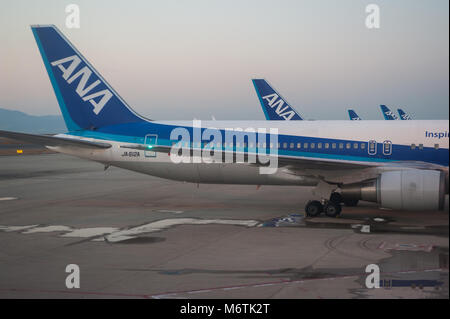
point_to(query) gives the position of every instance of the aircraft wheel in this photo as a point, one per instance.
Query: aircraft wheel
(332, 209)
(313, 208)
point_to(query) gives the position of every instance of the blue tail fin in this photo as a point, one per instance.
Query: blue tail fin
(403, 115)
(275, 107)
(86, 100)
(353, 116)
(387, 113)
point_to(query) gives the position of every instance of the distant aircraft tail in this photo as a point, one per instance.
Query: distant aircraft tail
(86, 100)
(403, 115)
(275, 107)
(387, 113)
(353, 116)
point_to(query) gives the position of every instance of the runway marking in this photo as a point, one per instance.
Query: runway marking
(406, 247)
(90, 232)
(15, 228)
(114, 234)
(47, 229)
(168, 223)
(282, 282)
(175, 293)
(7, 198)
(170, 211)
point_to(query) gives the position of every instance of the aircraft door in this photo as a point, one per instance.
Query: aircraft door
(387, 147)
(150, 140)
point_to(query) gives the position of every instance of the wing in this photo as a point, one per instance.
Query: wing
(48, 140)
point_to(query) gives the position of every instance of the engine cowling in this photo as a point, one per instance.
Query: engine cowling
(411, 189)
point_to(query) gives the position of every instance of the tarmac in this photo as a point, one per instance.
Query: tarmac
(138, 236)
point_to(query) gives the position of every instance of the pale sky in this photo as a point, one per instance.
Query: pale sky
(184, 59)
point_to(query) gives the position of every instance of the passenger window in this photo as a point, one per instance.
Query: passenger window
(333, 145)
(348, 145)
(341, 145)
(363, 146)
(305, 145)
(420, 146)
(413, 146)
(313, 145)
(355, 146)
(284, 145)
(292, 145)
(327, 145)
(436, 146)
(319, 145)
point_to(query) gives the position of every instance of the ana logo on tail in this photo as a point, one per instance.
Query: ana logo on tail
(81, 89)
(286, 112)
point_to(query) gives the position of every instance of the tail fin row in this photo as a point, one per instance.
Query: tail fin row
(86, 100)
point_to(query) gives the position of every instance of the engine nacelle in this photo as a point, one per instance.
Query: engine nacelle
(411, 189)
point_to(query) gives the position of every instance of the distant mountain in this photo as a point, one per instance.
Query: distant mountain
(21, 122)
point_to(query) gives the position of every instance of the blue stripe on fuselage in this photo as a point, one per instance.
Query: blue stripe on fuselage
(135, 133)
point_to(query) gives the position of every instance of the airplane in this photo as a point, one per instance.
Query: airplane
(402, 165)
(387, 113)
(403, 115)
(275, 107)
(353, 116)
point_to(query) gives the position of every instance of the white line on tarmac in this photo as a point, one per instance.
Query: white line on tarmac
(8, 198)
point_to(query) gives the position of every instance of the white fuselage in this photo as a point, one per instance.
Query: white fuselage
(399, 133)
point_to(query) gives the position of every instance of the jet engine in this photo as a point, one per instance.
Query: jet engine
(411, 189)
